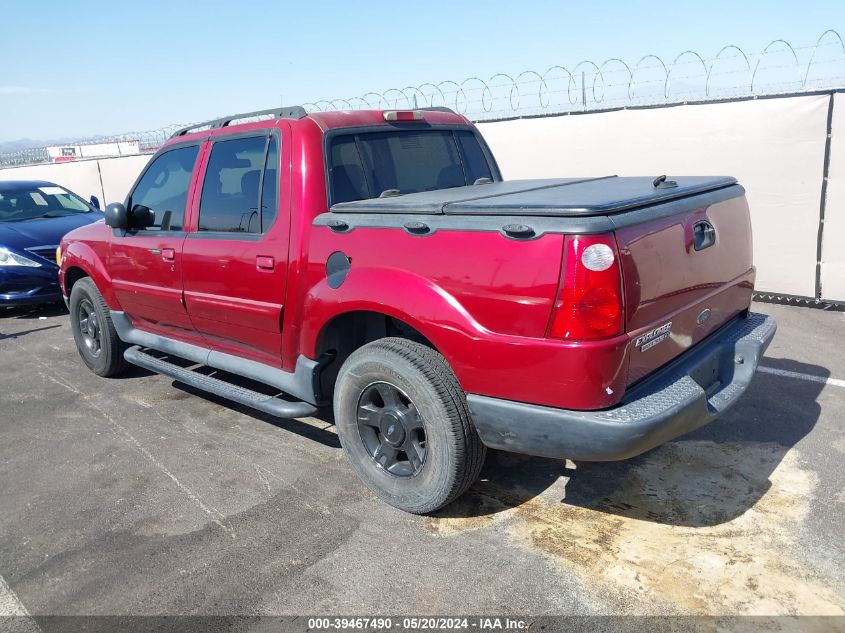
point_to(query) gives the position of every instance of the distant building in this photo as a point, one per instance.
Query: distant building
(93, 149)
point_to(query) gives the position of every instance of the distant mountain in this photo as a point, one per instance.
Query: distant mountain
(28, 143)
(23, 143)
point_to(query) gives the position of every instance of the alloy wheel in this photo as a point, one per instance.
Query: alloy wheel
(392, 429)
(89, 327)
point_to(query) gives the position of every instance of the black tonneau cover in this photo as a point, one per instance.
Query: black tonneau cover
(551, 197)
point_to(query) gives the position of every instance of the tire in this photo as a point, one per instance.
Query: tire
(96, 339)
(427, 404)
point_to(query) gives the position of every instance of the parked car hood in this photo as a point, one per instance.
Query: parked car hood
(43, 231)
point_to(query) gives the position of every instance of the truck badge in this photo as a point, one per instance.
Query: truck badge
(650, 339)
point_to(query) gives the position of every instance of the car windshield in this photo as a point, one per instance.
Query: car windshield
(373, 164)
(28, 202)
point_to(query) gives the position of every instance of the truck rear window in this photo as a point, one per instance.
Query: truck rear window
(363, 166)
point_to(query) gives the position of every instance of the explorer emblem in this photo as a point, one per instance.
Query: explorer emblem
(650, 339)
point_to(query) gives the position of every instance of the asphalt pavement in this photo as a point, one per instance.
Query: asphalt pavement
(138, 495)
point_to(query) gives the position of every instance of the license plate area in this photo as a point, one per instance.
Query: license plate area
(707, 374)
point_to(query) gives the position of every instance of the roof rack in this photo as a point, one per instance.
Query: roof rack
(293, 112)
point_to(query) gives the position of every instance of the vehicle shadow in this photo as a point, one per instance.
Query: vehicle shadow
(705, 478)
(132, 371)
(12, 335)
(319, 428)
(39, 311)
(708, 477)
(34, 311)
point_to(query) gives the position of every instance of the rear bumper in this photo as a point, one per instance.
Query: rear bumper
(688, 393)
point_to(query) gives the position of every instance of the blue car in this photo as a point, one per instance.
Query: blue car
(34, 216)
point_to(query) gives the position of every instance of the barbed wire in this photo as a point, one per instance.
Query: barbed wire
(588, 85)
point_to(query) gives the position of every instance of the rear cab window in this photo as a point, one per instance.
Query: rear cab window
(365, 165)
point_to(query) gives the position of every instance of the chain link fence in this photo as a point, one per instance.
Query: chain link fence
(779, 68)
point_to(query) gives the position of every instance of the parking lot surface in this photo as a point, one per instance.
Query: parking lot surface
(139, 496)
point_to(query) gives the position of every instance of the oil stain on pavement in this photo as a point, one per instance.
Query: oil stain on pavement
(694, 527)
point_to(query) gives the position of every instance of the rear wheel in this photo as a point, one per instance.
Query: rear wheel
(96, 339)
(404, 424)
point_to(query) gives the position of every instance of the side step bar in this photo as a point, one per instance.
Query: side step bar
(303, 383)
(268, 404)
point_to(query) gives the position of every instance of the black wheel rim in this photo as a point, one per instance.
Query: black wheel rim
(89, 327)
(392, 429)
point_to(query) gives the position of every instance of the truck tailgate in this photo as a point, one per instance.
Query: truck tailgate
(684, 275)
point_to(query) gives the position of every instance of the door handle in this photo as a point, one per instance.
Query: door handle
(168, 254)
(704, 235)
(263, 262)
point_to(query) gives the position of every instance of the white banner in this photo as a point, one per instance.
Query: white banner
(774, 147)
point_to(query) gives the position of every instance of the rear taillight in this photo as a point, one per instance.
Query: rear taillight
(589, 297)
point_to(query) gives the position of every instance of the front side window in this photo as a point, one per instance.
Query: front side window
(372, 164)
(233, 195)
(162, 192)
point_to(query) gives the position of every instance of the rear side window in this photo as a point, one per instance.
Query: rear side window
(347, 171)
(475, 162)
(232, 191)
(366, 165)
(270, 187)
(163, 189)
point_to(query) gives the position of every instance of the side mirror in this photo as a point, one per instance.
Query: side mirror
(117, 216)
(95, 202)
(141, 217)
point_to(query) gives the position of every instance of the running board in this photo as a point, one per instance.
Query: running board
(303, 383)
(268, 404)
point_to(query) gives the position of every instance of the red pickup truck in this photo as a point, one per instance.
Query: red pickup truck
(376, 260)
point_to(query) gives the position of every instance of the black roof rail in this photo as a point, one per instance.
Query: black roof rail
(292, 112)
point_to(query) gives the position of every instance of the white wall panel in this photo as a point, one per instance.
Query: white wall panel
(119, 175)
(775, 147)
(80, 177)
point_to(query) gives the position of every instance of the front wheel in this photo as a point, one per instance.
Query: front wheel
(404, 424)
(96, 339)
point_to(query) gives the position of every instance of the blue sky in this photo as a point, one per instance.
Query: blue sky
(98, 67)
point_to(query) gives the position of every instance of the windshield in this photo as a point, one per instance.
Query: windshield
(396, 162)
(27, 202)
